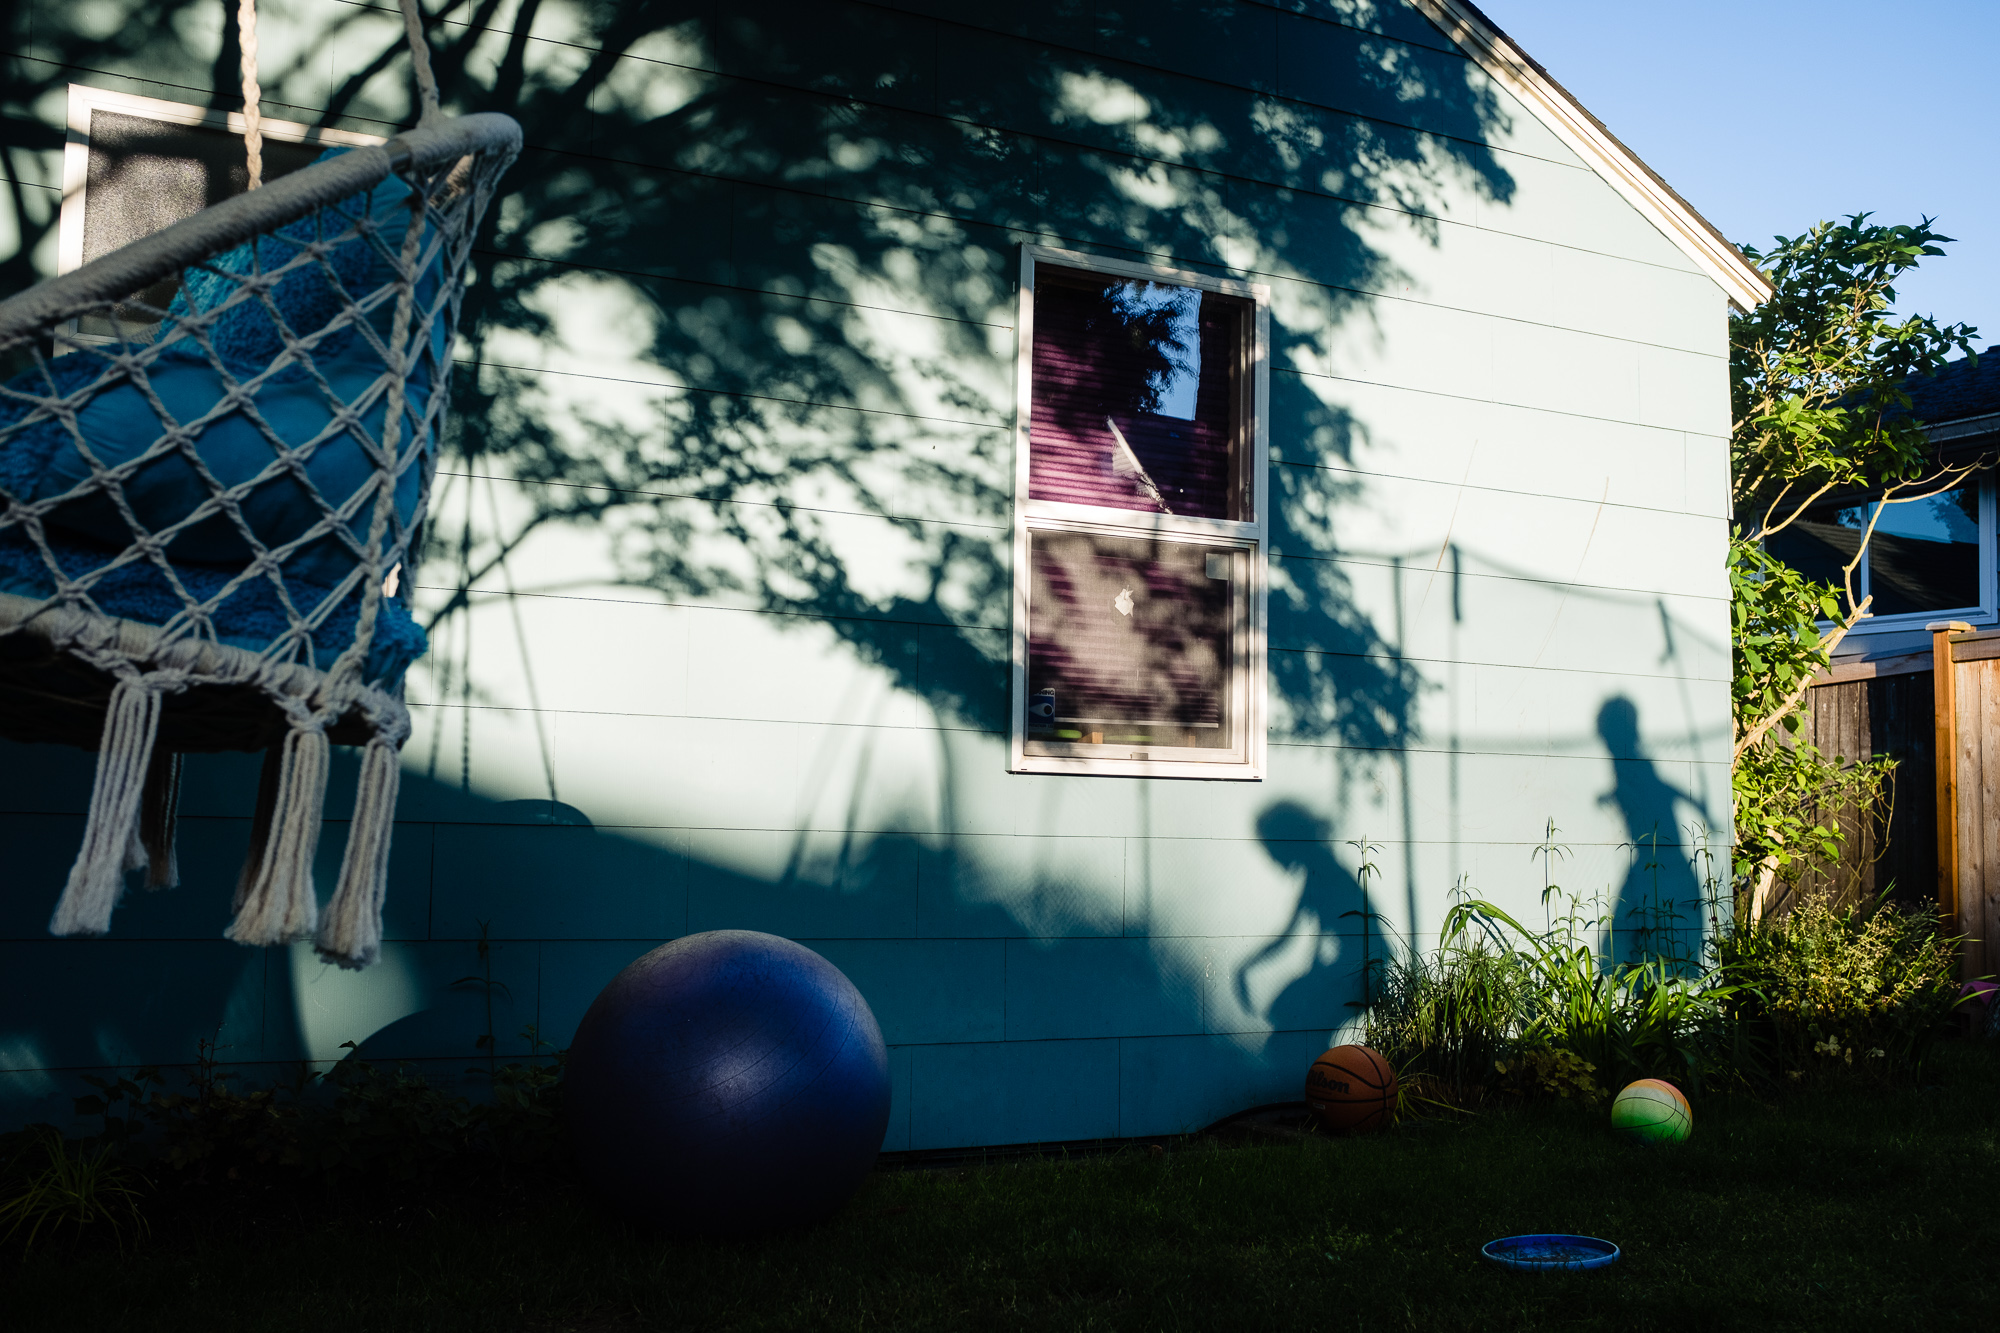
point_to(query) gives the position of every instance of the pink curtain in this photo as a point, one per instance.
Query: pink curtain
(1130, 631)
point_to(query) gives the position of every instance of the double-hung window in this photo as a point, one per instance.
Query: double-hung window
(1929, 559)
(1140, 520)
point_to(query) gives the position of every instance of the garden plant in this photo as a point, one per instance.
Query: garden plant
(1825, 1103)
(1820, 380)
(1821, 993)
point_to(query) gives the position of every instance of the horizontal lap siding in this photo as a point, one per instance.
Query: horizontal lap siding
(762, 296)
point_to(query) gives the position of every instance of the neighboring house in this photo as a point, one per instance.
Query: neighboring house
(1095, 524)
(1931, 562)
(1929, 559)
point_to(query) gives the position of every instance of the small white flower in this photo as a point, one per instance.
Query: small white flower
(1123, 602)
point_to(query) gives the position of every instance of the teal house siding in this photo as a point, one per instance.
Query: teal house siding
(719, 583)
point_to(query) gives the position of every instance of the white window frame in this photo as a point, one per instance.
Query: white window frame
(1989, 586)
(83, 100)
(1249, 675)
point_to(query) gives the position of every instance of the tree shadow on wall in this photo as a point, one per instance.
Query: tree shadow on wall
(830, 270)
(742, 329)
(790, 246)
(744, 312)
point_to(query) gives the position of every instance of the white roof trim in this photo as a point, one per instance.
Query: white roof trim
(1961, 427)
(1497, 54)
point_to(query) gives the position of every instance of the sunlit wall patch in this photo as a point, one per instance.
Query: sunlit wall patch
(1140, 520)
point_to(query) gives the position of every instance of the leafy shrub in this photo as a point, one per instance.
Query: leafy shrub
(209, 1129)
(399, 1125)
(1860, 992)
(376, 1126)
(377, 1123)
(1551, 1071)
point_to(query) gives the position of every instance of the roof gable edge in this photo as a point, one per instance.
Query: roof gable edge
(1639, 184)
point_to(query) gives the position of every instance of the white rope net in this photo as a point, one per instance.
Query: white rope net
(200, 509)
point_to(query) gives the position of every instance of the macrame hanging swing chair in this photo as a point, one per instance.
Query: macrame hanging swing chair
(201, 515)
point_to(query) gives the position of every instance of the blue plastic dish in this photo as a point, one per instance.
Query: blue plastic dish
(1542, 1254)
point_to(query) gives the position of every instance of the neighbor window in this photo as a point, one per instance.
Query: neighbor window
(133, 165)
(1929, 559)
(1140, 520)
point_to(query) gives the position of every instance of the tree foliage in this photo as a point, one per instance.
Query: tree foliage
(1820, 373)
(1819, 380)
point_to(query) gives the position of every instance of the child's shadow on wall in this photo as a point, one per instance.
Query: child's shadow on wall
(1316, 999)
(1660, 895)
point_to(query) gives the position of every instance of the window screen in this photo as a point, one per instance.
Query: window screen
(1131, 641)
(1138, 396)
(147, 174)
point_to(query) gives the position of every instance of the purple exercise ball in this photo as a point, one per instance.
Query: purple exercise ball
(727, 1082)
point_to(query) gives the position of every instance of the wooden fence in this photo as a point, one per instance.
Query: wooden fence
(1943, 837)
(1966, 676)
(1855, 716)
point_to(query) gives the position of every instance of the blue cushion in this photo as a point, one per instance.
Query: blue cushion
(43, 462)
(121, 424)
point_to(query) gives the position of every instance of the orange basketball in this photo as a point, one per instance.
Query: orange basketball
(1351, 1089)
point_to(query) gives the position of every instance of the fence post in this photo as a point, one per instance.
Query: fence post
(1944, 723)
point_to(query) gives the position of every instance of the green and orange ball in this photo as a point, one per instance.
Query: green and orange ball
(1652, 1111)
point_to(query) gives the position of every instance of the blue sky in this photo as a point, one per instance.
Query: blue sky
(1769, 115)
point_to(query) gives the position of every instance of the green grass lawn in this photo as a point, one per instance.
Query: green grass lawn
(1817, 1211)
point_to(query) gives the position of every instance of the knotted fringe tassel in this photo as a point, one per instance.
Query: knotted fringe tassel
(123, 756)
(260, 824)
(274, 899)
(350, 933)
(159, 821)
(135, 846)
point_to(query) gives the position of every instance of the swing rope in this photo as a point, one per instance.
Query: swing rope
(253, 96)
(367, 370)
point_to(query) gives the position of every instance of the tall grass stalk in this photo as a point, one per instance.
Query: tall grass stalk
(77, 1189)
(1629, 1019)
(1448, 1016)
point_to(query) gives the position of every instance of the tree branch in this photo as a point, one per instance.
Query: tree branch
(1791, 702)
